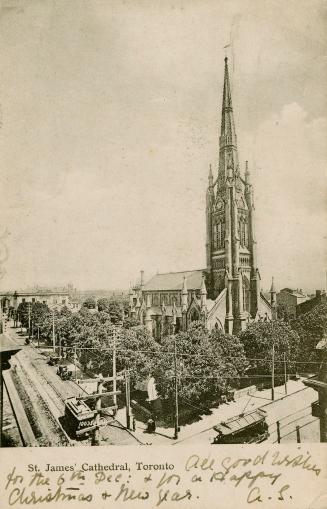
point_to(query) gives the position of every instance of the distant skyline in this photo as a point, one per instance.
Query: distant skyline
(110, 117)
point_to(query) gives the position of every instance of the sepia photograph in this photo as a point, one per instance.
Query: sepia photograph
(163, 268)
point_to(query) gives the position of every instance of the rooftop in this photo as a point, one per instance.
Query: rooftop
(174, 281)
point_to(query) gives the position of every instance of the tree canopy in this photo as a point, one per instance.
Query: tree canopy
(310, 327)
(258, 340)
(90, 303)
(209, 364)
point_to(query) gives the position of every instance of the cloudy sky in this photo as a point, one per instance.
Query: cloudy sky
(110, 115)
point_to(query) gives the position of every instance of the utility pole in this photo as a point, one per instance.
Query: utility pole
(53, 331)
(96, 438)
(176, 390)
(278, 432)
(128, 399)
(29, 320)
(273, 374)
(38, 336)
(114, 382)
(97, 397)
(75, 361)
(285, 373)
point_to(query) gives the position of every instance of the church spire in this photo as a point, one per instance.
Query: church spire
(227, 141)
(210, 177)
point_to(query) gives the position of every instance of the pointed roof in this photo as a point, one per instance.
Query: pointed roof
(184, 289)
(228, 157)
(203, 287)
(247, 173)
(210, 177)
(272, 288)
(174, 281)
(227, 134)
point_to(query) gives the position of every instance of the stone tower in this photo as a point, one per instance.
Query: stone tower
(231, 246)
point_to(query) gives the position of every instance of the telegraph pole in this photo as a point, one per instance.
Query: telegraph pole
(75, 361)
(285, 373)
(176, 376)
(53, 331)
(128, 399)
(273, 374)
(38, 336)
(29, 320)
(176, 390)
(96, 438)
(98, 403)
(114, 382)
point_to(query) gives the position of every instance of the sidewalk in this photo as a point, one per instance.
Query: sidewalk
(226, 410)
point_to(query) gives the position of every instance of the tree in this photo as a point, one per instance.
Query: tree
(209, 364)
(114, 308)
(22, 312)
(103, 304)
(258, 340)
(310, 327)
(116, 311)
(39, 311)
(130, 322)
(90, 303)
(283, 313)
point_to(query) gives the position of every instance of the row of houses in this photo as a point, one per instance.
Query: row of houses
(294, 302)
(57, 298)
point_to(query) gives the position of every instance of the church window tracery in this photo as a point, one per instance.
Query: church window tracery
(219, 235)
(243, 232)
(215, 236)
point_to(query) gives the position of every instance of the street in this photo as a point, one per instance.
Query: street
(43, 393)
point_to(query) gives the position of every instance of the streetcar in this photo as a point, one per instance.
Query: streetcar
(79, 417)
(243, 429)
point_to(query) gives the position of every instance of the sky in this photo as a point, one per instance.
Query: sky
(110, 117)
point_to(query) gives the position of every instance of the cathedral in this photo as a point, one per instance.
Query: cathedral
(226, 293)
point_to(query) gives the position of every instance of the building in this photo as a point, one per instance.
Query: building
(319, 384)
(52, 298)
(226, 293)
(288, 300)
(308, 305)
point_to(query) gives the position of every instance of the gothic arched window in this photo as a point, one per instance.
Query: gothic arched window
(219, 236)
(194, 316)
(215, 236)
(246, 235)
(246, 294)
(222, 235)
